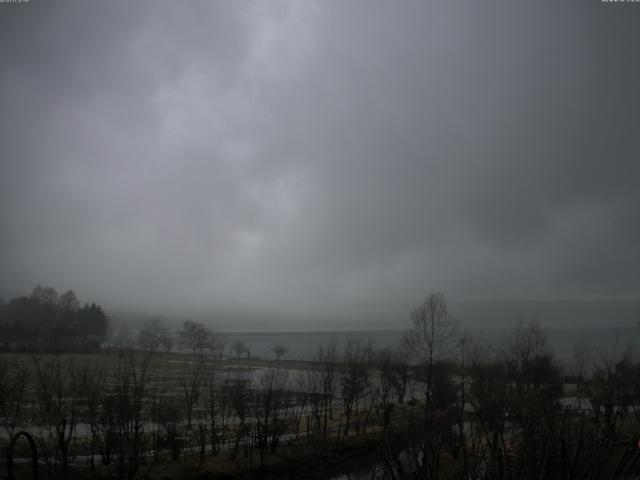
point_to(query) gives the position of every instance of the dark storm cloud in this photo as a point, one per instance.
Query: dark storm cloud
(332, 157)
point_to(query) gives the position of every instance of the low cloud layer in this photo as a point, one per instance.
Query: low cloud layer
(319, 158)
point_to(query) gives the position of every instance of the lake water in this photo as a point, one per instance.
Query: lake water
(304, 345)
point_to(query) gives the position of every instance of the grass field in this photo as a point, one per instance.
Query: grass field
(91, 413)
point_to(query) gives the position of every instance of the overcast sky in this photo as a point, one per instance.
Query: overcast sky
(329, 158)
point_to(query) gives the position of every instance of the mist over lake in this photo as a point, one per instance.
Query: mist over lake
(606, 341)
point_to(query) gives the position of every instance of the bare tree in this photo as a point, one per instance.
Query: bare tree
(240, 404)
(216, 344)
(225, 407)
(613, 381)
(57, 409)
(354, 378)
(194, 336)
(191, 384)
(124, 412)
(270, 405)
(432, 336)
(153, 336)
(279, 350)
(13, 391)
(121, 340)
(212, 386)
(581, 357)
(239, 347)
(327, 358)
(169, 416)
(88, 383)
(384, 362)
(400, 376)
(421, 434)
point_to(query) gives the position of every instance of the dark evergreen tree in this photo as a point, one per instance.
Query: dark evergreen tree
(44, 321)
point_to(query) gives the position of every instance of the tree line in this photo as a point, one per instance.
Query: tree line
(46, 321)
